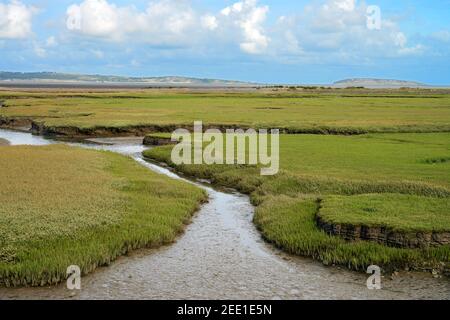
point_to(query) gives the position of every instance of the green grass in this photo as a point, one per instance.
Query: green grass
(289, 223)
(320, 168)
(71, 206)
(161, 135)
(397, 212)
(369, 157)
(406, 153)
(367, 161)
(336, 112)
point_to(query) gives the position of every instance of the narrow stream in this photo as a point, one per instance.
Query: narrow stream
(221, 256)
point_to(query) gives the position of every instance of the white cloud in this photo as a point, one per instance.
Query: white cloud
(346, 5)
(171, 22)
(209, 22)
(15, 20)
(97, 18)
(337, 29)
(325, 29)
(249, 17)
(162, 22)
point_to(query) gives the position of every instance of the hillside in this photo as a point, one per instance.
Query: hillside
(53, 77)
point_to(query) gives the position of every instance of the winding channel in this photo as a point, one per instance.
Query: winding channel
(221, 255)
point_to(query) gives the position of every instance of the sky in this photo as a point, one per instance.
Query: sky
(266, 41)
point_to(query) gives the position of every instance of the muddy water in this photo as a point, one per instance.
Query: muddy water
(222, 256)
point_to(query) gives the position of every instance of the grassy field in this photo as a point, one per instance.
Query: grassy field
(70, 206)
(381, 159)
(398, 212)
(413, 157)
(394, 174)
(398, 165)
(338, 111)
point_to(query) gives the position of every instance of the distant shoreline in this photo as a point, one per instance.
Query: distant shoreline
(110, 85)
(51, 84)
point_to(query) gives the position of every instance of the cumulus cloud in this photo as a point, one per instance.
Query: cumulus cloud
(209, 22)
(333, 28)
(96, 18)
(249, 17)
(15, 20)
(162, 22)
(171, 22)
(339, 29)
(347, 5)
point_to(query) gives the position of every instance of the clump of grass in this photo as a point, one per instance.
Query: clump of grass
(71, 206)
(437, 160)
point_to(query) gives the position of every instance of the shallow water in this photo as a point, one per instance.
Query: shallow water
(221, 256)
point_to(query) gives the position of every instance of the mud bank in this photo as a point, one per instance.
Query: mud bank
(383, 235)
(22, 124)
(4, 142)
(40, 128)
(142, 130)
(157, 141)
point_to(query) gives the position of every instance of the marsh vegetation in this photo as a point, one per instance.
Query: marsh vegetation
(377, 158)
(375, 179)
(335, 111)
(71, 206)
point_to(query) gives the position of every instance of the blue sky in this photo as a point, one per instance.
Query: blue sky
(283, 41)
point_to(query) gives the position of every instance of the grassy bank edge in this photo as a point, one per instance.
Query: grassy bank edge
(39, 127)
(286, 215)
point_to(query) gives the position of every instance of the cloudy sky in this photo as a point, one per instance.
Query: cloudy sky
(275, 41)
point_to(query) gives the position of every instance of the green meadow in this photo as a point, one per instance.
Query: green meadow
(398, 212)
(335, 111)
(396, 181)
(71, 206)
(358, 157)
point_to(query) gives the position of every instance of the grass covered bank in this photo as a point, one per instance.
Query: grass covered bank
(71, 206)
(395, 168)
(339, 111)
(4, 142)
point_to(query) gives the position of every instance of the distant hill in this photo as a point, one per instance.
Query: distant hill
(378, 83)
(54, 77)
